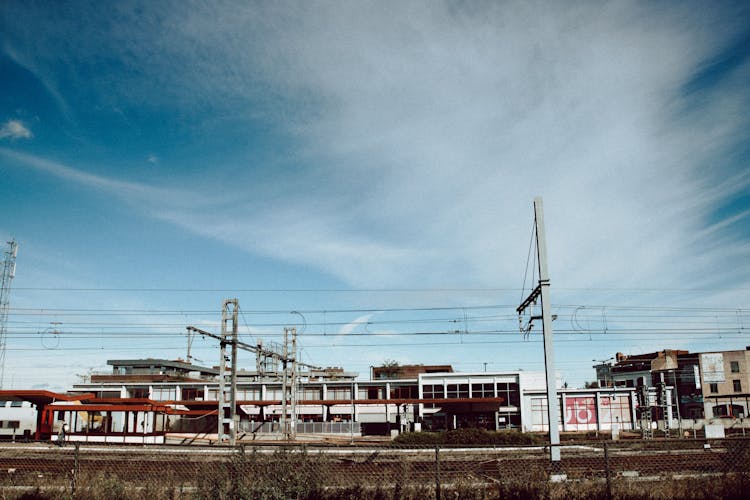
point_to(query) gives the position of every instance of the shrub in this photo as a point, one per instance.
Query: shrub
(468, 437)
(420, 438)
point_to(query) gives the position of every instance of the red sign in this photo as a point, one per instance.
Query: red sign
(580, 410)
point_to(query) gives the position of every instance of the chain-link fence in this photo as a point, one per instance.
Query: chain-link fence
(641, 469)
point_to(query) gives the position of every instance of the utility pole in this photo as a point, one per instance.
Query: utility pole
(9, 272)
(228, 381)
(542, 292)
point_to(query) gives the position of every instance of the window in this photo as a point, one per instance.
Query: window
(482, 390)
(713, 387)
(433, 391)
(737, 385)
(510, 393)
(339, 393)
(310, 393)
(160, 393)
(139, 393)
(407, 392)
(735, 366)
(16, 404)
(275, 393)
(193, 394)
(249, 394)
(371, 392)
(458, 391)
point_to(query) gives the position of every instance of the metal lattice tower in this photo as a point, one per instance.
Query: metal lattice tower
(289, 389)
(228, 381)
(284, 355)
(9, 272)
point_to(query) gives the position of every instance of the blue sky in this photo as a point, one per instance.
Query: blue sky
(347, 159)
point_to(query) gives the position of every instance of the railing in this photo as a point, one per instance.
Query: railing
(303, 427)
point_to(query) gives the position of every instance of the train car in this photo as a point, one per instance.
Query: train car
(17, 419)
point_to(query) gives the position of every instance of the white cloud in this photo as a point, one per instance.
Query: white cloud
(15, 129)
(423, 132)
(353, 325)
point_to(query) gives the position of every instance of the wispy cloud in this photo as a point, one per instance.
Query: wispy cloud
(131, 192)
(420, 143)
(15, 129)
(353, 325)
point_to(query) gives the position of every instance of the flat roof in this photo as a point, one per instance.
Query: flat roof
(148, 362)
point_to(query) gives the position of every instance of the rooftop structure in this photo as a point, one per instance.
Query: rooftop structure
(395, 371)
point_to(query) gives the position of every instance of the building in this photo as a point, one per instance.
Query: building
(678, 369)
(598, 409)
(725, 380)
(333, 401)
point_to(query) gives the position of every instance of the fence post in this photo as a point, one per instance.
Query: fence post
(606, 471)
(74, 472)
(437, 472)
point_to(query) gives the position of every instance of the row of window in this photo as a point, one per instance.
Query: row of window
(273, 393)
(13, 404)
(736, 386)
(508, 391)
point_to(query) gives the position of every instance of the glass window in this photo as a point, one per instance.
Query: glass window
(194, 393)
(310, 393)
(406, 392)
(274, 393)
(164, 394)
(139, 393)
(435, 391)
(248, 393)
(458, 391)
(16, 404)
(368, 392)
(539, 417)
(510, 393)
(713, 388)
(735, 366)
(737, 385)
(339, 393)
(482, 390)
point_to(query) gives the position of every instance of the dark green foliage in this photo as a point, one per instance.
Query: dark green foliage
(420, 438)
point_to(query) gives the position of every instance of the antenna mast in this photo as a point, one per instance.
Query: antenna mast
(9, 272)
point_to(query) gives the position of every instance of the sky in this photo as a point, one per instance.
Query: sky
(365, 172)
